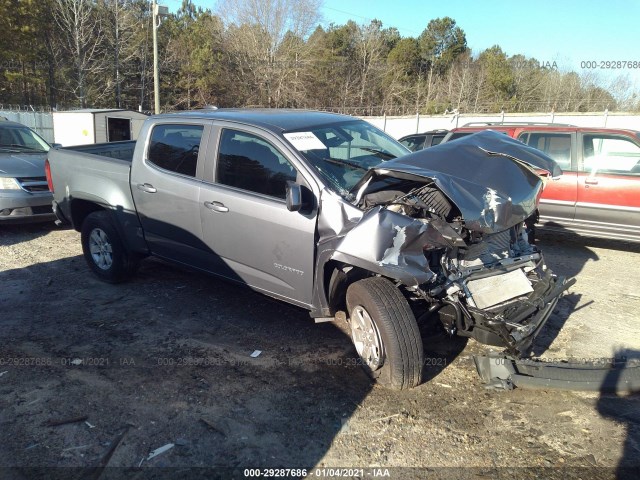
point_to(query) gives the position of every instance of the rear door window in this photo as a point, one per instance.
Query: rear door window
(457, 135)
(251, 163)
(556, 145)
(413, 143)
(436, 140)
(610, 154)
(175, 148)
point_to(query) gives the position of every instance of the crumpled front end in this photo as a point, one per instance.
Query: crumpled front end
(455, 239)
(498, 291)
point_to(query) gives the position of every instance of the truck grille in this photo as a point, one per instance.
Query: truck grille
(33, 184)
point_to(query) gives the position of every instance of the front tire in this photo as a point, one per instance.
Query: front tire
(104, 250)
(385, 333)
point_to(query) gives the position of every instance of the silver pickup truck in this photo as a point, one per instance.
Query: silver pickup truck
(328, 213)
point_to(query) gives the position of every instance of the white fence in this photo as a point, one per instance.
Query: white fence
(41, 122)
(400, 126)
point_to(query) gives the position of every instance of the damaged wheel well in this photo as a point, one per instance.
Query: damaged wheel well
(337, 278)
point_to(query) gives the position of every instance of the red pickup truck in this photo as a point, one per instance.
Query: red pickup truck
(599, 192)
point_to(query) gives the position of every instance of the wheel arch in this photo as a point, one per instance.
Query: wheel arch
(334, 276)
(126, 223)
(81, 209)
(337, 278)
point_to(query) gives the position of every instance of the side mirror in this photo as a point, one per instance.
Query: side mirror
(294, 196)
(55, 145)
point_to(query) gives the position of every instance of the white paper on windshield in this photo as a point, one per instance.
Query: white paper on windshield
(305, 141)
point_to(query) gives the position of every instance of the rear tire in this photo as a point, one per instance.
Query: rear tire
(385, 333)
(104, 250)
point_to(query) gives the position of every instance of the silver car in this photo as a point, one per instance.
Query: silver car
(24, 193)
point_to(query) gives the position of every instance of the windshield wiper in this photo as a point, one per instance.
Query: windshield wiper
(355, 166)
(21, 148)
(379, 153)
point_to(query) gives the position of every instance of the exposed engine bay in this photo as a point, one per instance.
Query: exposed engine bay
(488, 286)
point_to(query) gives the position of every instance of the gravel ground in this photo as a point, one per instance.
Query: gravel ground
(165, 359)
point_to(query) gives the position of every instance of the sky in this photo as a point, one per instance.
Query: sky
(567, 32)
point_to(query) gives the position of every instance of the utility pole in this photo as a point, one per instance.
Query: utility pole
(157, 14)
(156, 75)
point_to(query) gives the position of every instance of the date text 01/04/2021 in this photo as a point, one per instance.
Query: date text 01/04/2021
(317, 472)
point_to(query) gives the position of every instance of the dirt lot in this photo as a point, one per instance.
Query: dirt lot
(166, 359)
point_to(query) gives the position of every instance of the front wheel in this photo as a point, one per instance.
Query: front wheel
(385, 333)
(103, 249)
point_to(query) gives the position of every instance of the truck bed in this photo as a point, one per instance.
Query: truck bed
(94, 174)
(120, 150)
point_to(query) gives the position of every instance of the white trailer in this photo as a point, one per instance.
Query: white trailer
(94, 125)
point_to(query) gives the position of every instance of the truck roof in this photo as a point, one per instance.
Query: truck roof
(274, 119)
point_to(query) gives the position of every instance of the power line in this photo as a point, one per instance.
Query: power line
(369, 19)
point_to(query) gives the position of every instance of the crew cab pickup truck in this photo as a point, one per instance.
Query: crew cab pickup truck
(328, 213)
(598, 194)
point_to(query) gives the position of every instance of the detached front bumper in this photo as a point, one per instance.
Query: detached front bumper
(517, 327)
(616, 375)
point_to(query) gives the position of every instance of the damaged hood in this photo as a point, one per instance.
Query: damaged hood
(489, 176)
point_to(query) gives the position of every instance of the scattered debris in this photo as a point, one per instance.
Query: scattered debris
(256, 353)
(387, 418)
(55, 423)
(212, 426)
(345, 427)
(443, 385)
(32, 446)
(95, 472)
(2, 373)
(77, 361)
(160, 450)
(76, 448)
(89, 425)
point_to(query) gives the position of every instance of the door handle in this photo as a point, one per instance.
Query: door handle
(216, 206)
(591, 181)
(146, 187)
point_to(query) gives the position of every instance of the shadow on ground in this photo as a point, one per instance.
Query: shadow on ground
(13, 233)
(625, 409)
(168, 359)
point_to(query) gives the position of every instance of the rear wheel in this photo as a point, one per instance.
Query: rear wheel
(103, 249)
(385, 333)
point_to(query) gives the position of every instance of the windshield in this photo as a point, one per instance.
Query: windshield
(21, 139)
(343, 152)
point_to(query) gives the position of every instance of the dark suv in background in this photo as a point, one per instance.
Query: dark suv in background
(418, 141)
(599, 191)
